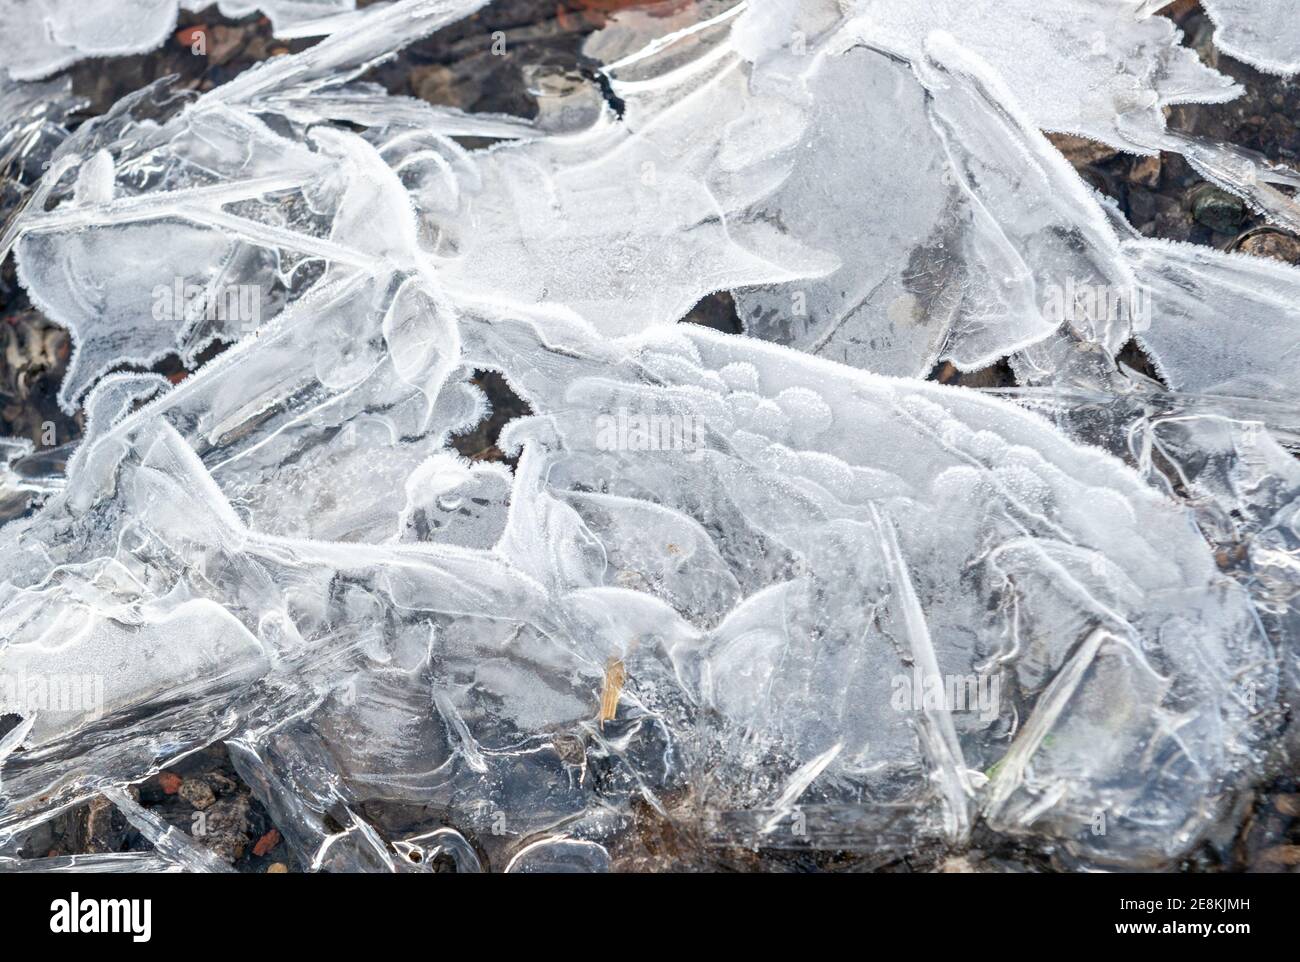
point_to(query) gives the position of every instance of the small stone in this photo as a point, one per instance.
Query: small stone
(277, 868)
(40, 839)
(224, 43)
(1217, 209)
(198, 793)
(1288, 805)
(228, 848)
(170, 782)
(1272, 243)
(1080, 151)
(1145, 171)
(1228, 558)
(947, 373)
(1170, 225)
(228, 826)
(220, 784)
(436, 84)
(231, 815)
(105, 829)
(267, 842)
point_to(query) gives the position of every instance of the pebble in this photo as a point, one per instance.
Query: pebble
(224, 43)
(1080, 151)
(1287, 804)
(198, 793)
(1145, 171)
(104, 831)
(228, 826)
(1217, 209)
(1272, 243)
(436, 84)
(220, 783)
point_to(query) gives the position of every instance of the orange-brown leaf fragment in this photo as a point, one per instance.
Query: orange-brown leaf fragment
(267, 842)
(189, 36)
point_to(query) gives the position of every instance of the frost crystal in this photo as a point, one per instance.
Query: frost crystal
(1264, 33)
(771, 588)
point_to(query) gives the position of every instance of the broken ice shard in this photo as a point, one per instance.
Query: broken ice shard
(40, 37)
(1263, 33)
(735, 584)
